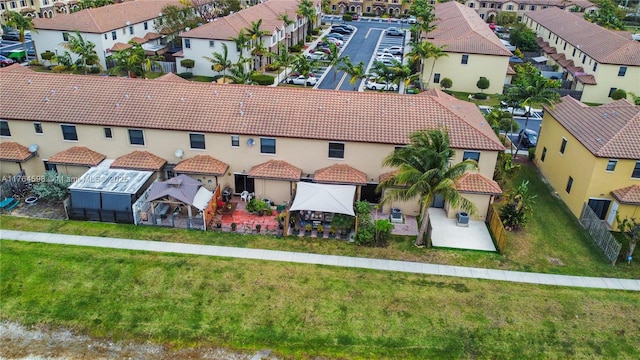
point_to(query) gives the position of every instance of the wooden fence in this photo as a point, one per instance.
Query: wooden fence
(497, 229)
(600, 234)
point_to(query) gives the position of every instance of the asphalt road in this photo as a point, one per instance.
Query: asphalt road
(7, 46)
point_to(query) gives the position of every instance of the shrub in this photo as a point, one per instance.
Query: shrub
(315, 31)
(532, 153)
(347, 17)
(263, 79)
(47, 55)
(188, 63)
(35, 62)
(480, 96)
(272, 67)
(94, 70)
(309, 38)
(446, 83)
(517, 207)
(54, 187)
(483, 84)
(186, 75)
(297, 47)
(619, 94)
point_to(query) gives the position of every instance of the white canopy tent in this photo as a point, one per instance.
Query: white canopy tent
(325, 198)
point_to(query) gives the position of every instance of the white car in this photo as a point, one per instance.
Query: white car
(412, 20)
(318, 55)
(374, 84)
(300, 80)
(338, 42)
(393, 50)
(386, 56)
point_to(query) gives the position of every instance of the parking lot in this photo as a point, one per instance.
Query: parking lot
(7, 46)
(362, 45)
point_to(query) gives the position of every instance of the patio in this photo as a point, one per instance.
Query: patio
(446, 233)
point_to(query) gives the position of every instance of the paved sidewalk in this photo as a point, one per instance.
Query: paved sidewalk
(344, 261)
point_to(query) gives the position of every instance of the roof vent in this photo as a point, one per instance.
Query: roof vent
(319, 108)
(182, 99)
(241, 112)
(605, 115)
(241, 103)
(117, 105)
(46, 99)
(613, 113)
(53, 91)
(126, 96)
(250, 94)
(29, 81)
(215, 92)
(75, 88)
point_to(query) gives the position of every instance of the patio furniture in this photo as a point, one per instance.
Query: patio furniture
(162, 210)
(8, 203)
(228, 209)
(245, 196)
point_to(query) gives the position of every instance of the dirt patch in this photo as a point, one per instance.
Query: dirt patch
(555, 261)
(42, 209)
(41, 342)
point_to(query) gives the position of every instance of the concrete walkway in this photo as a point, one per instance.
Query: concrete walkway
(344, 261)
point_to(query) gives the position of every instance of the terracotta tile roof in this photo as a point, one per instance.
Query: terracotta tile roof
(587, 79)
(629, 195)
(460, 30)
(77, 155)
(276, 169)
(605, 46)
(201, 164)
(510, 70)
(387, 175)
(607, 131)
(120, 46)
(139, 160)
(16, 68)
(12, 151)
(152, 35)
(139, 40)
(229, 26)
(340, 174)
(171, 77)
(266, 111)
(106, 18)
(476, 183)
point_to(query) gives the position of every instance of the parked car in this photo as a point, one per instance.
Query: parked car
(393, 31)
(393, 50)
(528, 138)
(325, 49)
(338, 42)
(335, 36)
(384, 56)
(318, 55)
(385, 62)
(11, 35)
(17, 55)
(5, 61)
(300, 80)
(355, 17)
(412, 20)
(341, 30)
(375, 84)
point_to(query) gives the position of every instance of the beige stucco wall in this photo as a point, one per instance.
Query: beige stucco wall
(465, 76)
(411, 208)
(73, 171)
(277, 190)
(481, 201)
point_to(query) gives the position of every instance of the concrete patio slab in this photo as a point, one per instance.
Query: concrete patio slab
(446, 233)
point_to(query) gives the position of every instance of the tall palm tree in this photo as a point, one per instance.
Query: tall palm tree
(531, 88)
(307, 10)
(256, 34)
(382, 72)
(21, 23)
(240, 74)
(133, 61)
(242, 42)
(402, 74)
(283, 58)
(287, 22)
(423, 172)
(334, 58)
(220, 62)
(435, 52)
(304, 66)
(86, 51)
(355, 72)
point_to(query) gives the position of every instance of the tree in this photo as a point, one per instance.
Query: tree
(204, 9)
(517, 207)
(635, 98)
(54, 187)
(606, 16)
(334, 58)
(523, 38)
(425, 50)
(630, 227)
(382, 72)
(355, 72)
(132, 61)
(21, 23)
(287, 22)
(401, 74)
(619, 94)
(304, 66)
(239, 72)
(308, 10)
(507, 18)
(425, 17)
(255, 34)
(85, 50)
(220, 62)
(188, 64)
(175, 19)
(483, 83)
(424, 171)
(86, 4)
(501, 121)
(446, 83)
(242, 42)
(283, 58)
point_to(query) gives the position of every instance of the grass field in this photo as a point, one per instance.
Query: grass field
(301, 311)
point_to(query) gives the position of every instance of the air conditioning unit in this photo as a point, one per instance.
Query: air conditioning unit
(463, 219)
(396, 215)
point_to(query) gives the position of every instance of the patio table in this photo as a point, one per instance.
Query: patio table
(228, 210)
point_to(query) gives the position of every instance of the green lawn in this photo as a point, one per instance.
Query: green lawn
(302, 311)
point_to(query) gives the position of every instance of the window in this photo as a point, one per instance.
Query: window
(611, 165)
(336, 150)
(521, 7)
(563, 146)
(146, 25)
(595, 66)
(105, 36)
(473, 155)
(544, 154)
(611, 90)
(114, 36)
(187, 43)
(37, 127)
(49, 167)
(108, 133)
(622, 71)
(211, 43)
(235, 140)
(509, 7)
(65, 36)
(197, 141)
(465, 59)
(569, 185)
(4, 128)
(69, 132)
(636, 171)
(584, 58)
(130, 30)
(136, 137)
(267, 146)
(436, 78)
(334, 7)
(564, 47)
(574, 52)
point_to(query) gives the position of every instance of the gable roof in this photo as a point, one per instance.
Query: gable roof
(12, 151)
(139, 160)
(340, 174)
(229, 26)
(461, 30)
(106, 18)
(604, 46)
(607, 131)
(171, 77)
(370, 117)
(476, 183)
(629, 195)
(201, 164)
(77, 155)
(276, 169)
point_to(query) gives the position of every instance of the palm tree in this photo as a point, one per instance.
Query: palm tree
(220, 62)
(402, 74)
(307, 10)
(85, 50)
(382, 72)
(287, 21)
(240, 74)
(242, 41)
(535, 90)
(334, 58)
(283, 58)
(355, 72)
(133, 61)
(423, 171)
(21, 23)
(304, 66)
(256, 34)
(435, 52)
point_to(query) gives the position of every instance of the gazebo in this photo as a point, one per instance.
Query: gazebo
(172, 194)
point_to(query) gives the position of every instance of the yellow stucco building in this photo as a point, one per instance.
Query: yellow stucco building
(591, 155)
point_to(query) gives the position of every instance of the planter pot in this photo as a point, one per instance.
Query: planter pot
(218, 226)
(280, 226)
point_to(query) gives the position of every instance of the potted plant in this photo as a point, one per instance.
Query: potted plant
(258, 226)
(320, 230)
(218, 223)
(307, 229)
(332, 232)
(234, 226)
(280, 219)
